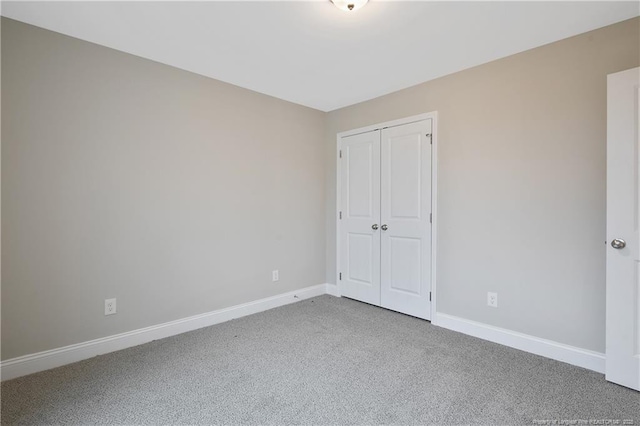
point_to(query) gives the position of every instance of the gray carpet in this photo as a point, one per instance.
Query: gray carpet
(321, 361)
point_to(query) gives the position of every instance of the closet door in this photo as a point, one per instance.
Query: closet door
(405, 219)
(359, 227)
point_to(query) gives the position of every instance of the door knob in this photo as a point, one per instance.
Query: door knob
(385, 227)
(616, 244)
(374, 226)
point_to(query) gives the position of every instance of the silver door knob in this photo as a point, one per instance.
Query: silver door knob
(385, 227)
(374, 226)
(616, 244)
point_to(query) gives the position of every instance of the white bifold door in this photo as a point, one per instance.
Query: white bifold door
(385, 218)
(623, 229)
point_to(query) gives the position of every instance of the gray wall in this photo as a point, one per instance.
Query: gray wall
(179, 194)
(521, 183)
(175, 193)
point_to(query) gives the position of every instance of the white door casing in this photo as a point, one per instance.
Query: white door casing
(405, 217)
(623, 216)
(360, 201)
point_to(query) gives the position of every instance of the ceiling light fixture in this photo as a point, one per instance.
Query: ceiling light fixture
(349, 5)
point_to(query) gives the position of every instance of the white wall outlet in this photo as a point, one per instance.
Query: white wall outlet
(109, 306)
(492, 299)
(275, 276)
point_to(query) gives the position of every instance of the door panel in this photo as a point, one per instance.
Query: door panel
(360, 201)
(405, 209)
(623, 190)
(360, 248)
(405, 264)
(359, 178)
(405, 177)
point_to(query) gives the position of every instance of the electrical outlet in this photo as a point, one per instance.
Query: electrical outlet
(109, 306)
(492, 299)
(275, 276)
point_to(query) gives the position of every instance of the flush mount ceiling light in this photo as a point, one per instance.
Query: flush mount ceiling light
(349, 5)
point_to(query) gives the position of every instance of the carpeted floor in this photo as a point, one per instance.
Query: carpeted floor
(321, 361)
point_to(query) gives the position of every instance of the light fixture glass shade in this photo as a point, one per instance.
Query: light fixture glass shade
(349, 5)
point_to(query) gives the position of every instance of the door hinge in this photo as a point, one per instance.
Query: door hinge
(340, 153)
(430, 217)
(340, 276)
(429, 296)
(340, 215)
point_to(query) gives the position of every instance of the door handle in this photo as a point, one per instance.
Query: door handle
(374, 226)
(385, 227)
(618, 243)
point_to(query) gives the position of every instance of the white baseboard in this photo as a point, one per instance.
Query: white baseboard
(333, 290)
(46, 360)
(41, 361)
(560, 352)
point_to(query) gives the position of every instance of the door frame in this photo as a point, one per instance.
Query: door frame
(434, 192)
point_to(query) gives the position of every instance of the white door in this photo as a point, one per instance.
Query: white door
(405, 219)
(623, 215)
(359, 227)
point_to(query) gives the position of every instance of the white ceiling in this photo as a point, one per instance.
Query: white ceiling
(313, 54)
